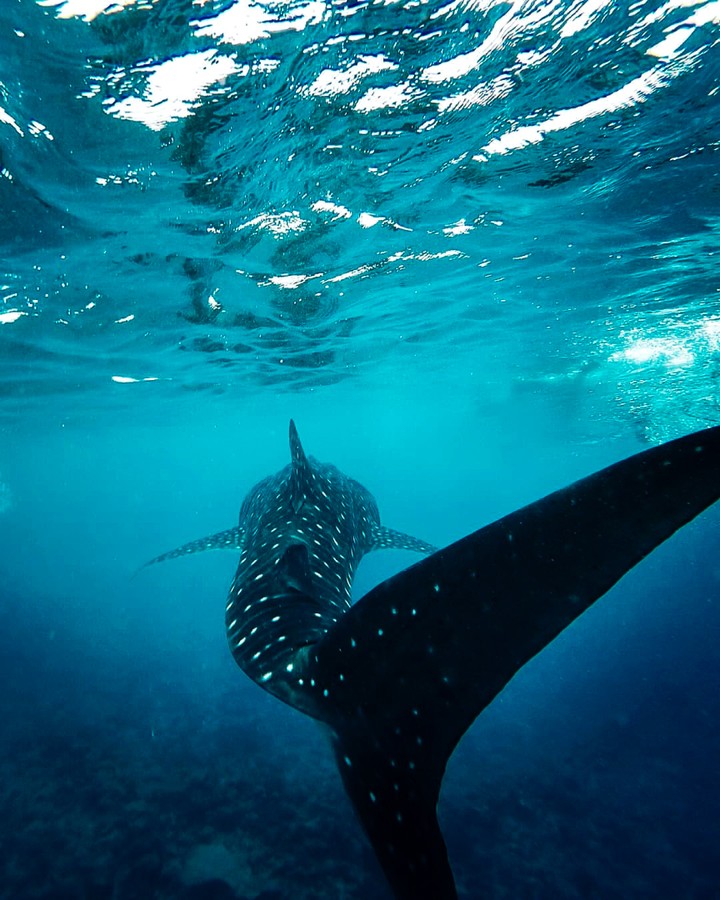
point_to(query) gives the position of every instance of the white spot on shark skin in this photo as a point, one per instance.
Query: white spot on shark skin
(266, 677)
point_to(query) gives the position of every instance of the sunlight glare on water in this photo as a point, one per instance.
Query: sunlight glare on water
(211, 196)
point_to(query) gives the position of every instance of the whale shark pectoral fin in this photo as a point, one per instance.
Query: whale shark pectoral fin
(389, 539)
(415, 661)
(232, 539)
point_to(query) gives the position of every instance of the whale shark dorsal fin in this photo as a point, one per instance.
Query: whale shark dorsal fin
(302, 476)
(389, 539)
(408, 668)
(231, 539)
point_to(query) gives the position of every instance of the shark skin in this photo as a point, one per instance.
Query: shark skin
(400, 676)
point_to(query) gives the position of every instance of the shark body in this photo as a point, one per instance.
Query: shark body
(400, 676)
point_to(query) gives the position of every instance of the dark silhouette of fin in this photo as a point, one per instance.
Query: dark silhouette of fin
(389, 539)
(393, 785)
(411, 665)
(232, 539)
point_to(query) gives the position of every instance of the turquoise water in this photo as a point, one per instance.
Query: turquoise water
(472, 248)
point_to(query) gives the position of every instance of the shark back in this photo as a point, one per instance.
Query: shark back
(301, 535)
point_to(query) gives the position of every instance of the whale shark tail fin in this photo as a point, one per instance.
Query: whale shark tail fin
(409, 667)
(393, 784)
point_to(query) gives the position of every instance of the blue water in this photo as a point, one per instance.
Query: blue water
(472, 248)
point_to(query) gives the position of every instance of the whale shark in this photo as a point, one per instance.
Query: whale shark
(399, 676)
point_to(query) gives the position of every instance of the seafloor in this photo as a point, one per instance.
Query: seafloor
(124, 781)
